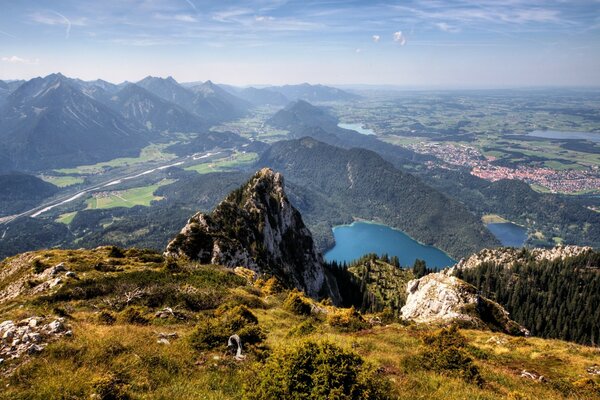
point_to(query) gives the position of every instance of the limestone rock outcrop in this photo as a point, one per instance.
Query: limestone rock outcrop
(441, 298)
(256, 227)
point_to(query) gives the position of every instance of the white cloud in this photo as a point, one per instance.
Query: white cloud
(447, 28)
(376, 38)
(358, 50)
(19, 60)
(263, 18)
(399, 38)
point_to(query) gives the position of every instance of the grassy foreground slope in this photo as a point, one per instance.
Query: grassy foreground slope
(148, 328)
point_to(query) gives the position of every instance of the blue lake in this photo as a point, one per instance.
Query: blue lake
(359, 238)
(357, 127)
(509, 234)
(594, 137)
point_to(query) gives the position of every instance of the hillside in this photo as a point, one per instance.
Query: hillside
(63, 127)
(113, 323)
(548, 215)
(137, 104)
(555, 293)
(357, 183)
(127, 324)
(21, 192)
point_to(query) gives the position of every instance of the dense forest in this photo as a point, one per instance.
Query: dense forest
(551, 214)
(358, 183)
(553, 299)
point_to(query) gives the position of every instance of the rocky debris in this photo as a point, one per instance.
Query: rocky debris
(57, 269)
(18, 277)
(169, 312)
(498, 341)
(534, 376)
(165, 338)
(509, 256)
(29, 336)
(441, 298)
(593, 370)
(256, 227)
(72, 275)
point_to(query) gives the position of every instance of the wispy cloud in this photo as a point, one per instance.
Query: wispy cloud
(7, 34)
(447, 28)
(399, 38)
(19, 60)
(175, 17)
(55, 18)
(376, 38)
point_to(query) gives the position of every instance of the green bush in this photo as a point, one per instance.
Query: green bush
(347, 320)
(110, 388)
(38, 266)
(304, 328)
(213, 332)
(297, 303)
(446, 353)
(313, 370)
(106, 318)
(116, 252)
(134, 315)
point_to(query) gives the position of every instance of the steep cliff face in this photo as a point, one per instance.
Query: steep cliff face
(256, 227)
(440, 298)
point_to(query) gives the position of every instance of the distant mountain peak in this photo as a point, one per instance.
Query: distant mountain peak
(256, 227)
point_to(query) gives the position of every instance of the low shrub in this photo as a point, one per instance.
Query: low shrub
(446, 353)
(347, 320)
(316, 370)
(135, 316)
(106, 318)
(213, 332)
(110, 388)
(302, 329)
(297, 303)
(38, 266)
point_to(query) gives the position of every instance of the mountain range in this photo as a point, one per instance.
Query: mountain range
(56, 121)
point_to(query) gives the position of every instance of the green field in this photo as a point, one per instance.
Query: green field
(224, 164)
(153, 152)
(62, 181)
(140, 196)
(66, 218)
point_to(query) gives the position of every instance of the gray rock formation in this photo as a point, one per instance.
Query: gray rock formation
(256, 227)
(508, 256)
(440, 298)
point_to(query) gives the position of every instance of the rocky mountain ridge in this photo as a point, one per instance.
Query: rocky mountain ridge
(508, 256)
(256, 227)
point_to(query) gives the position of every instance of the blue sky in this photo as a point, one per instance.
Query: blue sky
(469, 43)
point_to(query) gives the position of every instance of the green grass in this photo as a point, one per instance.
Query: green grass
(66, 218)
(62, 181)
(127, 353)
(153, 152)
(234, 161)
(493, 219)
(141, 196)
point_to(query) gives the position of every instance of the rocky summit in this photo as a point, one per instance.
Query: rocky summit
(440, 298)
(256, 227)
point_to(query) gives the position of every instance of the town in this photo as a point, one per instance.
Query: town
(568, 181)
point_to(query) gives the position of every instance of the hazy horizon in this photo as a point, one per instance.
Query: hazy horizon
(421, 44)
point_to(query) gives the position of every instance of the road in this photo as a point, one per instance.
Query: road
(43, 208)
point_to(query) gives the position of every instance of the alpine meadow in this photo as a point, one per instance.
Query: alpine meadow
(300, 200)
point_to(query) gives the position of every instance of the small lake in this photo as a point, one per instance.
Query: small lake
(594, 137)
(358, 128)
(509, 234)
(359, 238)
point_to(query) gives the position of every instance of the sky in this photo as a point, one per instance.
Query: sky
(415, 43)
